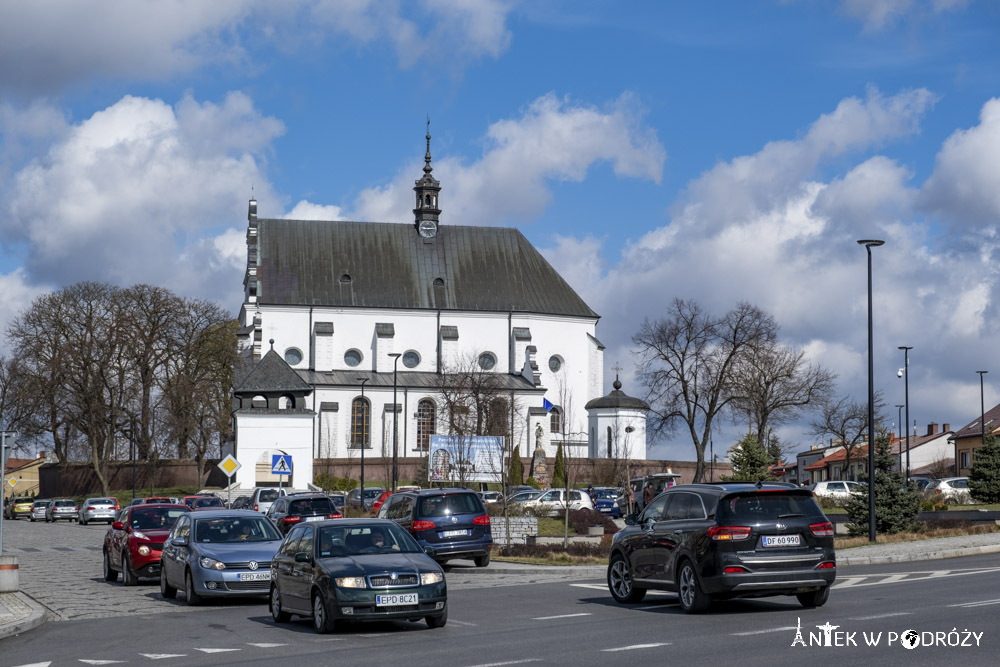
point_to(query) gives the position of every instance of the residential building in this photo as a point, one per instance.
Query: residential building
(969, 438)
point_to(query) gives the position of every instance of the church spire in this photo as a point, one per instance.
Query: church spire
(426, 214)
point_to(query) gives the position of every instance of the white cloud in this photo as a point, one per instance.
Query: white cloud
(305, 210)
(16, 292)
(554, 139)
(965, 185)
(125, 193)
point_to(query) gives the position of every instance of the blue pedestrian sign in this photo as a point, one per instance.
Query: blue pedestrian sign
(281, 464)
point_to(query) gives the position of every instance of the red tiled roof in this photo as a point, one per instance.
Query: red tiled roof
(973, 429)
(13, 464)
(860, 452)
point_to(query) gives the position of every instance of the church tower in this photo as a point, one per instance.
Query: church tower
(426, 214)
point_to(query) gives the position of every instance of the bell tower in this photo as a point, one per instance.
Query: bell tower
(426, 214)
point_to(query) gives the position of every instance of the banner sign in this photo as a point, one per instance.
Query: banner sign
(466, 458)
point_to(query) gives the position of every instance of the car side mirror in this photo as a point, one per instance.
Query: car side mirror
(630, 520)
(302, 557)
(117, 525)
(430, 551)
(179, 541)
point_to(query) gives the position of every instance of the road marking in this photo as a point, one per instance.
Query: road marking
(648, 607)
(874, 616)
(37, 664)
(550, 618)
(848, 581)
(161, 656)
(217, 650)
(454, 622)
(602, 587)
(101, 662)
(266, 645)
(635, 646)
(763, 632)
(510, 662)
(980, 603)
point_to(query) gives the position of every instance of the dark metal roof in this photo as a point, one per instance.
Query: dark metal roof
(301, 262)
(617, 399)
(272, 374)
(406, 379)
(973, 428)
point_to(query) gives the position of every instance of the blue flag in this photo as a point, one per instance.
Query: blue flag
(545, 404)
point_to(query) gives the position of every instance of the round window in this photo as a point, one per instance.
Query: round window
(555, 363)
(487, 361)
(293, 356)
(411, 359)
(352, 358)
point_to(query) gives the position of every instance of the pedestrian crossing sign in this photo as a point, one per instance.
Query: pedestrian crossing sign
(281, 464)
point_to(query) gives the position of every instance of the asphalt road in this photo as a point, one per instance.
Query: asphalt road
(517, 620)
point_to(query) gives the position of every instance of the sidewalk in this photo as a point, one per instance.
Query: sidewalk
(19, 613)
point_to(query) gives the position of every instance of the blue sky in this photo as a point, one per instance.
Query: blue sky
(715, 151)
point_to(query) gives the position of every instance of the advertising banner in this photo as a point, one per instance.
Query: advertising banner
(466, 458)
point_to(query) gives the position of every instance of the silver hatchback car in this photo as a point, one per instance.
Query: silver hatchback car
(38, 509)
(97, 509)
(61, 508)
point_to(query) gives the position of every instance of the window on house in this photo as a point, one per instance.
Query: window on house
(411, 359)
(426, 421)
(286, 402)
(258, 401)
(609, 443)
(360, 423)
(352, 358)
(555, 420)
(293, 356)
(487, 361)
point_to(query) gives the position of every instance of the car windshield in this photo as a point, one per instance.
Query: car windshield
(448, 504)
(311, 506)
(155, 518)
(372, 494)
(605, 494)
(339, 541)
(201, 503)
(768, 506)
(41, 503)
(65, 503)
(268, 496)
(235, 529)
(150, 501)
(101, 501)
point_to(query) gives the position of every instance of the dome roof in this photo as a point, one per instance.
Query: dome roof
(617, 399)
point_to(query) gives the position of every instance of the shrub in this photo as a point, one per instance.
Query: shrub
(984, 478)
(328, 482)
(896, 507)
(531, 482)
(581, 520)
(577, 549)
(516, 472)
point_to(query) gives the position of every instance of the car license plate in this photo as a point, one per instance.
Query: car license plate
(454, 533)
(254, 576)
(396, 599)
(781, 540)
(315, 518)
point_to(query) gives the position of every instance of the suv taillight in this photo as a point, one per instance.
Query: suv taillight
(729, 533)
(423, 525)
(292, 519)
(482, 520)
(824, 529)
(335, 516)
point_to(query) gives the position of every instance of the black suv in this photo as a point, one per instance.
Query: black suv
(287, 511)
(446, 523)
(720, 541)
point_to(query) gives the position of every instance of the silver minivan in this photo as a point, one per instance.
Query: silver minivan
(261, 499)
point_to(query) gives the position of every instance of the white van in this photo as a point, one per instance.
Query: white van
(261, 499)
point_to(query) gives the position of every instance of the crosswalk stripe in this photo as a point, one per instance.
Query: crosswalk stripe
(217, 650)
(162, 656)
(266, 645)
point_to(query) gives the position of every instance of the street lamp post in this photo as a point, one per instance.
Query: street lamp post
(364, 414)
(395, 431)
(868, 244)
(906, 400)
(899, 437)
(982, 410)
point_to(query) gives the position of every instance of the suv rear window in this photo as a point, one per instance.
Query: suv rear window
(65, 503)
(267, 495)
(453, 503)
(311, 506)
(768, 506)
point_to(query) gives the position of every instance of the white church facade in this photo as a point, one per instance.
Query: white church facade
(354, 329)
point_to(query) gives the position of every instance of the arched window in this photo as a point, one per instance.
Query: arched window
(426, 423)
(258, 401)
(286, 402)
(555, 420)
(360, 423)
(609, 444)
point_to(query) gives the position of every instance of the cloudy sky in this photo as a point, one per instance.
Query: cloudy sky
(713, 151)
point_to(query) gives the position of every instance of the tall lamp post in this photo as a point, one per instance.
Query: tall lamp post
(364, 432)
(899, 438)
(395, 431)
(982, 410)
(869, 244)
(906, 400)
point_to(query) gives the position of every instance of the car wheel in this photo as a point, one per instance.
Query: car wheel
(129, 577)
(193, 599)
(277, 613)
(620, 583)
(32, 519)
(82, 522)
(438, 620)
(814, 598)
(110, 574)
(166, 590)
(692, 599)
(322, 620)
(482, 561)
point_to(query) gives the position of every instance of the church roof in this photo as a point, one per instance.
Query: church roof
(389, 265)
(617, 399)
(410, 380)
(272, 374)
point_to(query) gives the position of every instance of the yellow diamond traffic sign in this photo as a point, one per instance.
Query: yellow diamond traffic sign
(12, 482)
(229, 465)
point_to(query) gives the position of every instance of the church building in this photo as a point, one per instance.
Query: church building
(358, 331)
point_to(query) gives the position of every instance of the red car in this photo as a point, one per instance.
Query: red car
(134, 542)
(378, 501)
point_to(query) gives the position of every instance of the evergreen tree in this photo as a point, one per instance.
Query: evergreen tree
(984, 478)
(559, 469)
(516, 472)
(896, 507)
(750, 461)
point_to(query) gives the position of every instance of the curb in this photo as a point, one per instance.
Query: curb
(585, 570)
(928, 555)
(37, 617)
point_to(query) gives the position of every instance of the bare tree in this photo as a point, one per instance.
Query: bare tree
(686, 362)
(774, 384)
(846, 421)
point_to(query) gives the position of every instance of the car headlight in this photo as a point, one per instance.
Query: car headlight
(350, 582)
(139, 535)
(211, 563)
(427, 578)
(143, 550)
